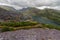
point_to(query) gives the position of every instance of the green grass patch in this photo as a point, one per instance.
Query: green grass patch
(4, 29)
(11, 26)
(17, 24)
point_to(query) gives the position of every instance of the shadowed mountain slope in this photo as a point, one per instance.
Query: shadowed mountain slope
(47, 16)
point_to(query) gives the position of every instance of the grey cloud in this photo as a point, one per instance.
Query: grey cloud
(32, 3)
(35, 2)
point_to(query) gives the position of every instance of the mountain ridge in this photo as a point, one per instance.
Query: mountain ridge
(47, 16)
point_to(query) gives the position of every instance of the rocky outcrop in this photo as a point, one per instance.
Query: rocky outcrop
(31, 34)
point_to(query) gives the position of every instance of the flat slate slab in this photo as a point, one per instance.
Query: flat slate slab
(31, 34)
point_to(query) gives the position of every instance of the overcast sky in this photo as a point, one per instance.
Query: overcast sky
(32, 3)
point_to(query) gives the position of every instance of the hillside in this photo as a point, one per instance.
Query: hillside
(7, 15)
(47, 16)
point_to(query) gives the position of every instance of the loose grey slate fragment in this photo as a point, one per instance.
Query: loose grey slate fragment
(31, 34)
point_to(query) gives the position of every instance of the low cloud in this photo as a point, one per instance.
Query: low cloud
(33, 3)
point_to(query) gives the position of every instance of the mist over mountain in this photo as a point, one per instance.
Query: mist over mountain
(18, 4)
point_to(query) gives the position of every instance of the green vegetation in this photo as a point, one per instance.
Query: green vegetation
(4, 29)
(50, 26)
(17, 24)
(11, 26)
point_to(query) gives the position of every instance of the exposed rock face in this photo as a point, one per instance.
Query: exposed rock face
(31, 34)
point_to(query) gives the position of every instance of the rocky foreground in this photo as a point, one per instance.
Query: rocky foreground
(31, 34)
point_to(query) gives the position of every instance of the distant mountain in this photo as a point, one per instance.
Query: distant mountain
(9, 15)
(8, 8)
(47, 16)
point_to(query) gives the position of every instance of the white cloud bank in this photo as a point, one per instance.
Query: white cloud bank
(41, 4)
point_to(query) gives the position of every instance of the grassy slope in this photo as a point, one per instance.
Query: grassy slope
(25, 25)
